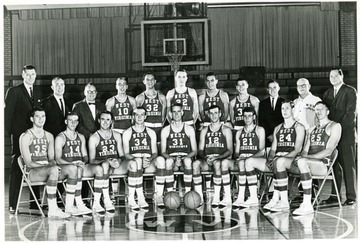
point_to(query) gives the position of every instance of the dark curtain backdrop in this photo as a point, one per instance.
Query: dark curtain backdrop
(107, 40)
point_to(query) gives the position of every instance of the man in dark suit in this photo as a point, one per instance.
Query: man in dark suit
(270, 111)
(19, 102)
(88, 111)
(55, 108)
(341, 99)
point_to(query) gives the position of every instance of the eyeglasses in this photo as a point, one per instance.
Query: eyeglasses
(91, 91)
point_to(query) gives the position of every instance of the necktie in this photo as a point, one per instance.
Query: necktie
(272, 104)
(335, 92)
(61, 106)
(31, 92)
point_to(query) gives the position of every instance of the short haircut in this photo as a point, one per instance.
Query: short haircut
(272, 81)
(292, 104)
(122, 78)
(249, 109)
(180, 70)
(322, 103)
(241, 79)
(337, 69)
(148, 73)
(138, 108)
(56, 79)
(88, 85)
(107, 112)
(72, 113)
(211, 74)
(176, 104)
(28, 67)
(35, 109)
(214, 107)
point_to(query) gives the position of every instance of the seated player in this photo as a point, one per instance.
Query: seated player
(37, 151)
(178, 147)
(287, 144)
(140, 150)
(105, 149)
(250, 143)
(314, 159)
(215, 150)
(121, 106)
(70, 149)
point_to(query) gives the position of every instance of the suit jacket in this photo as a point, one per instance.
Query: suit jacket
(269, 118)
(88, 125)
(343, 108)
(18, 107)
(55, 119)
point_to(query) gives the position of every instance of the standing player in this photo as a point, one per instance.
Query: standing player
(319, 145)
(287, 144)
(154, 103)
(121, 106)
(105, 149)
(250, 143)
(213, 96)
(37, 151)
(215, 149)
(141, 152)
(185, 96)
(70, 149)
(240, 102)
(178, 147)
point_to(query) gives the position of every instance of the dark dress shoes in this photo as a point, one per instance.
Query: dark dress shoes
(330, 200)
(349, 202)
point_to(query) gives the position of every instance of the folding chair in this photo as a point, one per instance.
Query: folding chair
(329, 176)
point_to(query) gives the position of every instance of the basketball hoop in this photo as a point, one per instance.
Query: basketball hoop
(175, 60)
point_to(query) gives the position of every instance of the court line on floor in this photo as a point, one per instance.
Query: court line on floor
(349, 225)
(22, 230)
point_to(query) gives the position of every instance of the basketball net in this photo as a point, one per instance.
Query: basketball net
(175, 61)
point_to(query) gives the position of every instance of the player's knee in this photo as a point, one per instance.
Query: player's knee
(73, 172)
(188, 163)
(132, 166)
(280, 164)
(303, 165)
(53, 173)
(248, 164)
(160, 162)
(105, 167)
(98, 171)
(169, 164)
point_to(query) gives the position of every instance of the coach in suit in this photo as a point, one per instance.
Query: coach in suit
(19, 101)
(88, 111)
(270, 111)
(55, 108)
(341, 99)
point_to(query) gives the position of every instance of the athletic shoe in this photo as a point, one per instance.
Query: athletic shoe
(280, 206)
(304, 209)
(142, 203)
(74, 211)
(133, 205)
(225, 202)
(160, 201)
(250, 202)
(58, 213)
(83, 209)
(12, 210)
(237, 203)
(109, 207)
(96, 208)
(270, 204)
(215, 202)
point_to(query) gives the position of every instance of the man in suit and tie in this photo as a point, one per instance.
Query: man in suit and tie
(88, 110)
(56, 108)
(341, 99)
(19, 102)
(270, 111)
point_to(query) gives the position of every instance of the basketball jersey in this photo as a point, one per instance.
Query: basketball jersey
(187, 104)
(249, 142)
(140, 142)
(210, 101)
(71, 150)
(106, 148)
(215, 142)
(238, 111)
(38, 147)
(286, 138)
(122, 113)
(153, 107)
(318, 139)
(178, 142)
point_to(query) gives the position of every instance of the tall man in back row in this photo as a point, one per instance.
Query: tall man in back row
(121, 106)
(213, 96)
(185, 96)
(240, 102)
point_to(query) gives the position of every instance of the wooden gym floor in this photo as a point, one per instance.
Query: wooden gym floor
(328, 222)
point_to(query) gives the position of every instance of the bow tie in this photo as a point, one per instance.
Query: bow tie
(92, 103)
